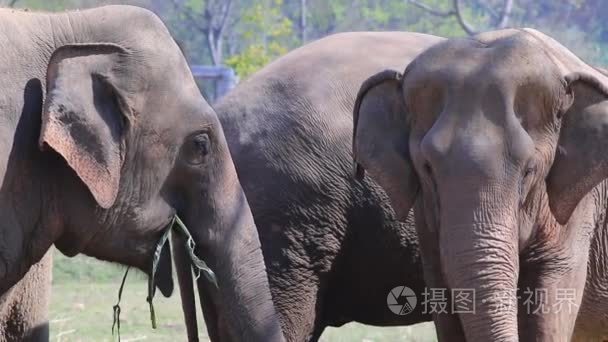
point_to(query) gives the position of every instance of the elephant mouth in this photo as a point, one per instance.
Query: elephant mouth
(161, 259)
(164, 280)
(166, 224)
(160, 269)
(197, 263)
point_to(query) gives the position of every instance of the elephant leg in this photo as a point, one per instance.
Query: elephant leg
(550, 302)
(295, 288)
(592, 320)
(25, 307)
(296, 295)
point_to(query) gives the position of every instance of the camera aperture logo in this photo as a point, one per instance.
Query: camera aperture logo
(401, 300)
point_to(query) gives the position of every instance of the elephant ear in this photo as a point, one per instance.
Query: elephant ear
(85, 115)
(380, 139)
(581, 161)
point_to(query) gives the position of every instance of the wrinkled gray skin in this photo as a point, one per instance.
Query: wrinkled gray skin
(104, 137)
(24, 308)
(503, 136)
(332, 245)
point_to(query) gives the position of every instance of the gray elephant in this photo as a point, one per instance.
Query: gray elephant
(498, 141)
(24, 308)
(332, 246)
(105, 137)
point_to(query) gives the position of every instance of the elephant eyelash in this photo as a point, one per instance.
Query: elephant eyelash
(529, 171)
(202, 143)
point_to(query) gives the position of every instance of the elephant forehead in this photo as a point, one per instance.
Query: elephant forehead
(506, 62)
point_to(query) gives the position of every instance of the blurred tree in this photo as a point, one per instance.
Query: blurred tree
(211, 18)
(251, 32)
(303, 21)
(265, 34)
(247, 34)
(497, 15)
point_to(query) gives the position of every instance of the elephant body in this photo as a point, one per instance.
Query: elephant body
(498, 143)
(104, 139)
(332, 246)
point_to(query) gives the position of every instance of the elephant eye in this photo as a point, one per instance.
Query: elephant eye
(202, 144)
(198, 148)
(529, 171)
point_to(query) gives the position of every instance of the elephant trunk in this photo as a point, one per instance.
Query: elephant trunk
(483, 260)
(220, 221)
(241, 307)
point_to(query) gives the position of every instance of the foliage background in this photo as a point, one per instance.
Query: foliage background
(248, 34)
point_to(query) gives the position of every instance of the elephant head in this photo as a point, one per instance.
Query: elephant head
(131, 142)
(487, 136)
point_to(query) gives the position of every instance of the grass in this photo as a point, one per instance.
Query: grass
(85, 290)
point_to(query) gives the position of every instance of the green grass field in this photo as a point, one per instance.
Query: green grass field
(85, 290)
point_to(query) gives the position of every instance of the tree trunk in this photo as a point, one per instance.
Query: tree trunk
(303, 21)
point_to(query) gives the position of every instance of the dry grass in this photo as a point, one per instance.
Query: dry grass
(85, 290)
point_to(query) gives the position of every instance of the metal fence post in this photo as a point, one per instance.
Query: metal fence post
(225, 78)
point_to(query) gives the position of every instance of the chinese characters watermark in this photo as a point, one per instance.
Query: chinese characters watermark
(401, 300)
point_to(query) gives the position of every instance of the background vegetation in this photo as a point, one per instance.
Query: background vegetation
(248, 34)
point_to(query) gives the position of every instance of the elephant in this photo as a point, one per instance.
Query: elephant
(105, 138)
(498, 143)
(24, 308)
(332, 246)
